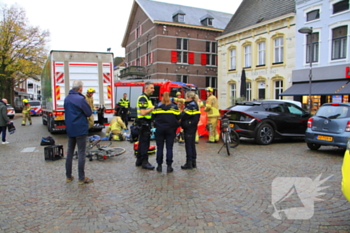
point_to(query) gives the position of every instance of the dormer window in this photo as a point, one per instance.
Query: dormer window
(207, 20)
(179, 17)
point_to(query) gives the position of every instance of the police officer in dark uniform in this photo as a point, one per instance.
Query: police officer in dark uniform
(124, 105)
(189, 121)
(166, 120)
(144, 121)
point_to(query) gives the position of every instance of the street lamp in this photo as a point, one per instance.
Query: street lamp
(308, 31)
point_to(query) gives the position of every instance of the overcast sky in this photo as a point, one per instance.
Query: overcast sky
(86, 25)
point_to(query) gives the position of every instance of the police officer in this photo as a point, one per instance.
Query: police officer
(212, 109)
(144, 120)
(166, 120)
(124, 105)
(189, 122)
(26, 112)
(114, 130)
(90, 99)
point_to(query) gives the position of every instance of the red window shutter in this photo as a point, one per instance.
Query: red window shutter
(173, 56)
(146, 60)
(203, 59)
(191, 58)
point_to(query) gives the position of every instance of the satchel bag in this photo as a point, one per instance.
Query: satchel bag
(47, 141)
(11, 128)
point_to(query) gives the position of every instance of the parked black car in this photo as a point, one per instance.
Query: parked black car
(267, 120)
(330, 126)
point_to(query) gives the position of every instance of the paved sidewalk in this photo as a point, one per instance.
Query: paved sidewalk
(225, 194)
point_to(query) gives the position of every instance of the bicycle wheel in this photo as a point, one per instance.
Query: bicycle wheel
(234, 139)
(227, 142)
(118, 151)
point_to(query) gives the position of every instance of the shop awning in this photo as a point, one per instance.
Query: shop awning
(344, 90)
(318, 88)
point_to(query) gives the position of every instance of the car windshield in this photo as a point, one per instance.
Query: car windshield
(34, 103)
(332, 112)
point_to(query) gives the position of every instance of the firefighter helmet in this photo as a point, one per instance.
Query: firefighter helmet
(178, 93)
(91, 90)
(25, 101)
(209, 89)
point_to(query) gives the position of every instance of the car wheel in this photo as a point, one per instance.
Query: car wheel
(313, 146)
(265, 134)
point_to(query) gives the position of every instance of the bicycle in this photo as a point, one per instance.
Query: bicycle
(229, 137)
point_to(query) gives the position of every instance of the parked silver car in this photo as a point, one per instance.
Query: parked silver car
(330, 126)
(10, 111)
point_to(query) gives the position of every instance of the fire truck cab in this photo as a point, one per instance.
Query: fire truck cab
(134, 88)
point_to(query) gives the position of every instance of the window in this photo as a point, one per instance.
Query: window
(312, 15)
(179, 18)
(182, 47)
(278, 52)
(247, 56)
(207, 22)
(233, 59)
(233, 92)
(182, 78)
(312, 40)
(340, 6)
(278, 89)
(339, 42)
(210, 48)
(30, 86)
(138, 59)
(211, 82)
(148, 56)
(249, 91)
(261, 54)
(129, 60)
(261, 90)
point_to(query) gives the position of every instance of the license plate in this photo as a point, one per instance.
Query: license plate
(324, 138)
(232, 125)
(59, 118)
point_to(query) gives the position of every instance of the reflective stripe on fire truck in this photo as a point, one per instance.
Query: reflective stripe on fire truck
(58, 92)
(109, 91)
(106, 77)
(59, 76)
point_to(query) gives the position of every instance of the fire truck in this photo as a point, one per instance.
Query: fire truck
(134, 88)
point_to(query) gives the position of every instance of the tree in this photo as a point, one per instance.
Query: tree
(22, 50)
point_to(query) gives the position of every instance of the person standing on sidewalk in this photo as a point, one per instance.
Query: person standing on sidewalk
(124, 105)
(77, 110)
(4, 120)
(212, 109)
(26, 112)
(144, 121)
(189, 122)
(166, 120)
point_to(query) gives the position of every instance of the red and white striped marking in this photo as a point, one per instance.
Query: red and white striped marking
(59, 76)
(106, 77)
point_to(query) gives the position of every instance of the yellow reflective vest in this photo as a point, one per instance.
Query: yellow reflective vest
(90, 101)
(345, 184)
(141, 104)
(212, 106)
(26, 108)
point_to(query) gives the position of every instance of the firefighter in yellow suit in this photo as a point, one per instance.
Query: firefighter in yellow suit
(180, 102)
(346, 174)
(26, 112)
(116, 126)
(212, 109)
(90, 99)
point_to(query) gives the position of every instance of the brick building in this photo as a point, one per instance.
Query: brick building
(174, 42)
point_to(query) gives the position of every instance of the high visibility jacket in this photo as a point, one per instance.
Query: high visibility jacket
(346, 175)
(212, 106)
(166, 116)
(26, 108)
(143, 102)
(90, 100)
(116, 125)
(124, 103)
(190, 116)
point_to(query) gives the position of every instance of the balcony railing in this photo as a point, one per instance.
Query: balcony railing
(133, 71)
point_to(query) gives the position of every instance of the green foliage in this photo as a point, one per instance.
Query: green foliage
(22, 50)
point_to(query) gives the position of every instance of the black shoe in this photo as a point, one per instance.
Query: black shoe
(210, 142)
(169, 169)
(181, 142)
(138, 162)
(147, 165)
(188, 165)
(159, 168)
(194, 163)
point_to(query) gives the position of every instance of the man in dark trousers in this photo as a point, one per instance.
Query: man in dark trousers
(144, 120)
(124, 105)
(4, 120)
(76, 112)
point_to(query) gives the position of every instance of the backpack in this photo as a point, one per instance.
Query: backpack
(45, 141)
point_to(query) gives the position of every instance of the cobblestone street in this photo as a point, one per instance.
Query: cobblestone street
(224, 194)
